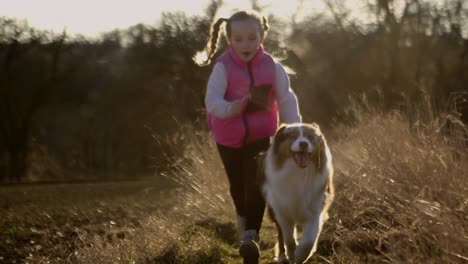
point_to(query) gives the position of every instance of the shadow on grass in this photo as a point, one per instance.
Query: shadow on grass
(205, 241)
(225, 232)
(177, 253)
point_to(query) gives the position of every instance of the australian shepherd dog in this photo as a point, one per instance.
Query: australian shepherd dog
(295, 175)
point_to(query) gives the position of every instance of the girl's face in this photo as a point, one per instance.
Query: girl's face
(245, 38)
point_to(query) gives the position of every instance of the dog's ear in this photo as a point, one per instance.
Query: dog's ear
(320, 156)
(281, 128)
(316, 127)
(280, 132)
(321, 142)
(279, 136)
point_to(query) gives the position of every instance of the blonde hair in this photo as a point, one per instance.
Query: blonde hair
(204, 57)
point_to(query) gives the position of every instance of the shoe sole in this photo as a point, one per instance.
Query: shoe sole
(251, 260)
(249, 250)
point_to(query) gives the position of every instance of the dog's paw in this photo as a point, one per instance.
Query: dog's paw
(290, 249)
(302, 252)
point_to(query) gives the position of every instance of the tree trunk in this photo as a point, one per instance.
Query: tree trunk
(18, 149)
(17, 164)
(4, 167)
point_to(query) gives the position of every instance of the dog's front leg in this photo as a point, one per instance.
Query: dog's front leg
(287, 228)
(309, 237)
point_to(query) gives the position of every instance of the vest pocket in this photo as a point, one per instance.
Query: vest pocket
(259, 98)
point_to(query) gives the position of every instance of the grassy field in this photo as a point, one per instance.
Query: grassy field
(401, 197)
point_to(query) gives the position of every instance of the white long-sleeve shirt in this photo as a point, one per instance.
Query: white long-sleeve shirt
(217, 84)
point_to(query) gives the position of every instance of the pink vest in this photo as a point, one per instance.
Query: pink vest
(255, 122)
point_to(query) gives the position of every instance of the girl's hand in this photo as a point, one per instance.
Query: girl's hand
(238, 105)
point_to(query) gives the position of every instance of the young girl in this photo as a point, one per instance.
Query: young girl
(246, 91)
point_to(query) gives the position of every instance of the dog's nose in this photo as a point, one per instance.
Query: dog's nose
(303, 145)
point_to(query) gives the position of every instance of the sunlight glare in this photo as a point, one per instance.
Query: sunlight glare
(200, 57)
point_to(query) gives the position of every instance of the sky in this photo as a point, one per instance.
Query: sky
(91, 17)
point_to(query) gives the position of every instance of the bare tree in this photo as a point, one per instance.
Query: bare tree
(23, 92)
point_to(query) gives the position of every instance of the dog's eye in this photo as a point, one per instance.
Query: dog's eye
(291, 134)
(311, 138)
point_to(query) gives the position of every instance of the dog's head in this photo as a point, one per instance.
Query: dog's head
(303, 143)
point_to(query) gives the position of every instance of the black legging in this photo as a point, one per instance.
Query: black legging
(241, 166)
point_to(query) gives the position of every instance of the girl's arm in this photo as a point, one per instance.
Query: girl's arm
(214, 98)
(287, 101)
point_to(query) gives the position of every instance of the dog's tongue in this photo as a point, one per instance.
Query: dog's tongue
(302, 159)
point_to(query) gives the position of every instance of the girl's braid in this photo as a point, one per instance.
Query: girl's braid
(265, 24)
(213, 42)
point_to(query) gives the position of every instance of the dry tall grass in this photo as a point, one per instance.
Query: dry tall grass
(401, 189)
(400, 198)
(401, 193)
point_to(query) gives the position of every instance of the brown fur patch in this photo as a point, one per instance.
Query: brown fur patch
(283, 153)
(319, 157)
(280, 147)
